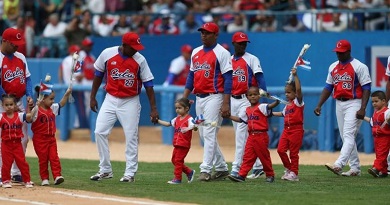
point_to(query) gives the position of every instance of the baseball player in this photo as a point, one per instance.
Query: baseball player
(210, 79)
(126, 70)
(350, 81)
(180, 67)
(15, 79)
(247, 72)
(388, 104)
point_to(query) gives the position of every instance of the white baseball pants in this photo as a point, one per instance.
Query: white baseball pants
(127, 111)
(210, 107)
(349, 126)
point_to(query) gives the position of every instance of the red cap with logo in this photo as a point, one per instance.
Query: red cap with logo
(240, 37)
(73, 49)
(132, 39)
(87, 42)
(186, 48)
(14, 36)
(342, 46)
(210, 27)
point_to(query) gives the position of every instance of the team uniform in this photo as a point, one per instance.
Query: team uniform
(244, 70)
(15, 79)
(381, 139)
(45, 145)
(207, 83)
(12, 148)
(179, 68)
(292, 136)
(347, 80)
(88, 71)
(182, 144)
(125, 76)
(257, 143)
(388, 74)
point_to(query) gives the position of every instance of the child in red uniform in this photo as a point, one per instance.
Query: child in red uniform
(11, 123)
(292, 136)
(181, 140)
(258, 139)
(44, 128)
(381, 132)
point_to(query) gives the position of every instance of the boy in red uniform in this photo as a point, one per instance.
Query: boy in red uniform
(44, 128)
(381, 132)
(292, 136)
(11, 123)
(257, 143)
(183, 125)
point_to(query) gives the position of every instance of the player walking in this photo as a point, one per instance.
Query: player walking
(126, 71)
(247, 72)
(350, 81)
(388, 104)
(210, 79)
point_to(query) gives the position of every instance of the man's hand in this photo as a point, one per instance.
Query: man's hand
(225, 110)
(317, 111)
(93, 104)
(360, 114)
(154, 116)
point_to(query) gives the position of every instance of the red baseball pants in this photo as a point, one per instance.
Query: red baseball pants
(291, 139)
(13, 150)
(381, 146)
(46, 149)
(178, 156)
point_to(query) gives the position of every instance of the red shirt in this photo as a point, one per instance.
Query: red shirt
(12, 128)
(44, 123)
(88, 69)
(377, 120)
(293, 113)
(182, 139)
(257, 117)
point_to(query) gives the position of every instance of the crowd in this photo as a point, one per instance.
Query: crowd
(50, 26)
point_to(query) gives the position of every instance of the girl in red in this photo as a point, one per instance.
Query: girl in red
(381, 132)
(44, 128)
(183, 125)
(257, 143)
(292, 136)
(11, 123)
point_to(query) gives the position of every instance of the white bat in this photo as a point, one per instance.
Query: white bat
(303, 51)
(264, 93)
(75, 58)
(206, 123)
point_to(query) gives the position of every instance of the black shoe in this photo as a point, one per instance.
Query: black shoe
(237, 178)
(204, 176)
(220, 175)
(17, 179)
(270, 179)
(374, 172)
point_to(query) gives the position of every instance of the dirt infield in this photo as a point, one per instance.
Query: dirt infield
(151, 149)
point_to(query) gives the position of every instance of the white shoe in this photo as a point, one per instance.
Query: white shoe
(7, 184)
(29, 185)
(255, 174)
(45, 182)
(58, 180)
(286, 172)
(291, 176)
(351, 173)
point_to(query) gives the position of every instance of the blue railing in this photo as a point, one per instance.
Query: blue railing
(324, 124)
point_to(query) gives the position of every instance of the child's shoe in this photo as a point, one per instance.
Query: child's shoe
(174, 181)
(29, 185)
(292, 177)
(191, 176)
(45, 182)
(58, 180)
(7, 184)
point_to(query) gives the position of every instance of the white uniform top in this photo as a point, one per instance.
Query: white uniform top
(177, 65)
(66, 68)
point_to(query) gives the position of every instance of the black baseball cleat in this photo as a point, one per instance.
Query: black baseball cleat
(237, 178)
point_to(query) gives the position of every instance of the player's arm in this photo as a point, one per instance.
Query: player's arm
(298, 89)
(236, 119)
(388, 90)
(367, 119)
(189, 86)
(152, 101)
(277, 114)
(164, 123)
(227, 90)
(30, 114)
(366, 95)
(273, 105)
(97, 81)
(324, 96)
(65, 97)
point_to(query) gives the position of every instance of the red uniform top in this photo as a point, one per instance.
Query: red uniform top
(257, 117)
(208, 66)
(44, 121)
(14, 72)
(377, 120)
(182, 77)
(11, 128)
(87, 68)
(124, 74)
(348, 79)
(182, 139)
(293, 113)
(244, 70)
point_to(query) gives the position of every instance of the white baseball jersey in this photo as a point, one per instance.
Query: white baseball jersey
(180, 68)
(66, 68)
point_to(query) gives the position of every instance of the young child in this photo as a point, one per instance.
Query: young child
(181, 140)
(11, 123)
(257, 143)
(381, 133)
(44, 128)
(292, 136)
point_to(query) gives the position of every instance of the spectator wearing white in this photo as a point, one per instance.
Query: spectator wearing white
(54, 39)
(239, 24)
(96, 6)
(122, 27)
(338, 24)
(104, 24)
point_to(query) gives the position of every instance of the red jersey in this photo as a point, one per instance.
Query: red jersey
(257, 117)
(87, 67)
(14, 72)
(377, 120)
(348, 79)
(182, 139)
(124, 74)
(244, 70)
(208, 65)
(44, 121)
(12, 128)
(293, 113)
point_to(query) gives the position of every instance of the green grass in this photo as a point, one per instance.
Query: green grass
(317, 185)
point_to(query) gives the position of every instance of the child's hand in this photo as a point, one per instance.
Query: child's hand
(294, 71)
(69, 90)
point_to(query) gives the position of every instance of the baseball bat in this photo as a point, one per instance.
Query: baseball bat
(301, 53)
(75, 57)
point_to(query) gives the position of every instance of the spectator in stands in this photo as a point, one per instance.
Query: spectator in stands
(86, 21)
(104, 24)
(122, 27)
(28, 34)
(177, 8)
(337, 24)
(52, 7)
(53, 37)
(293, 25)
(180, 67)
(96, 6)
(140, 23)
(11, 11)
(158, 6)
(73, 33)
(264, 23)
(239, 24)
(188, 24)
(164, 25)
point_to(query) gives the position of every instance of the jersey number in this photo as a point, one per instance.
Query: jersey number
(241, 78)
(129, 83)
(347, 85)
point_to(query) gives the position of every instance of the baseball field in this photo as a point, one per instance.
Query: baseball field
(80, 160)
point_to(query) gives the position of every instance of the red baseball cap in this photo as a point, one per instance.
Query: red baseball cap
(240, 37)
(342, 46)
(210, 27)
(14, 36)
(73, 49)
(186, 48)
(87, 42)
(132, 39)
